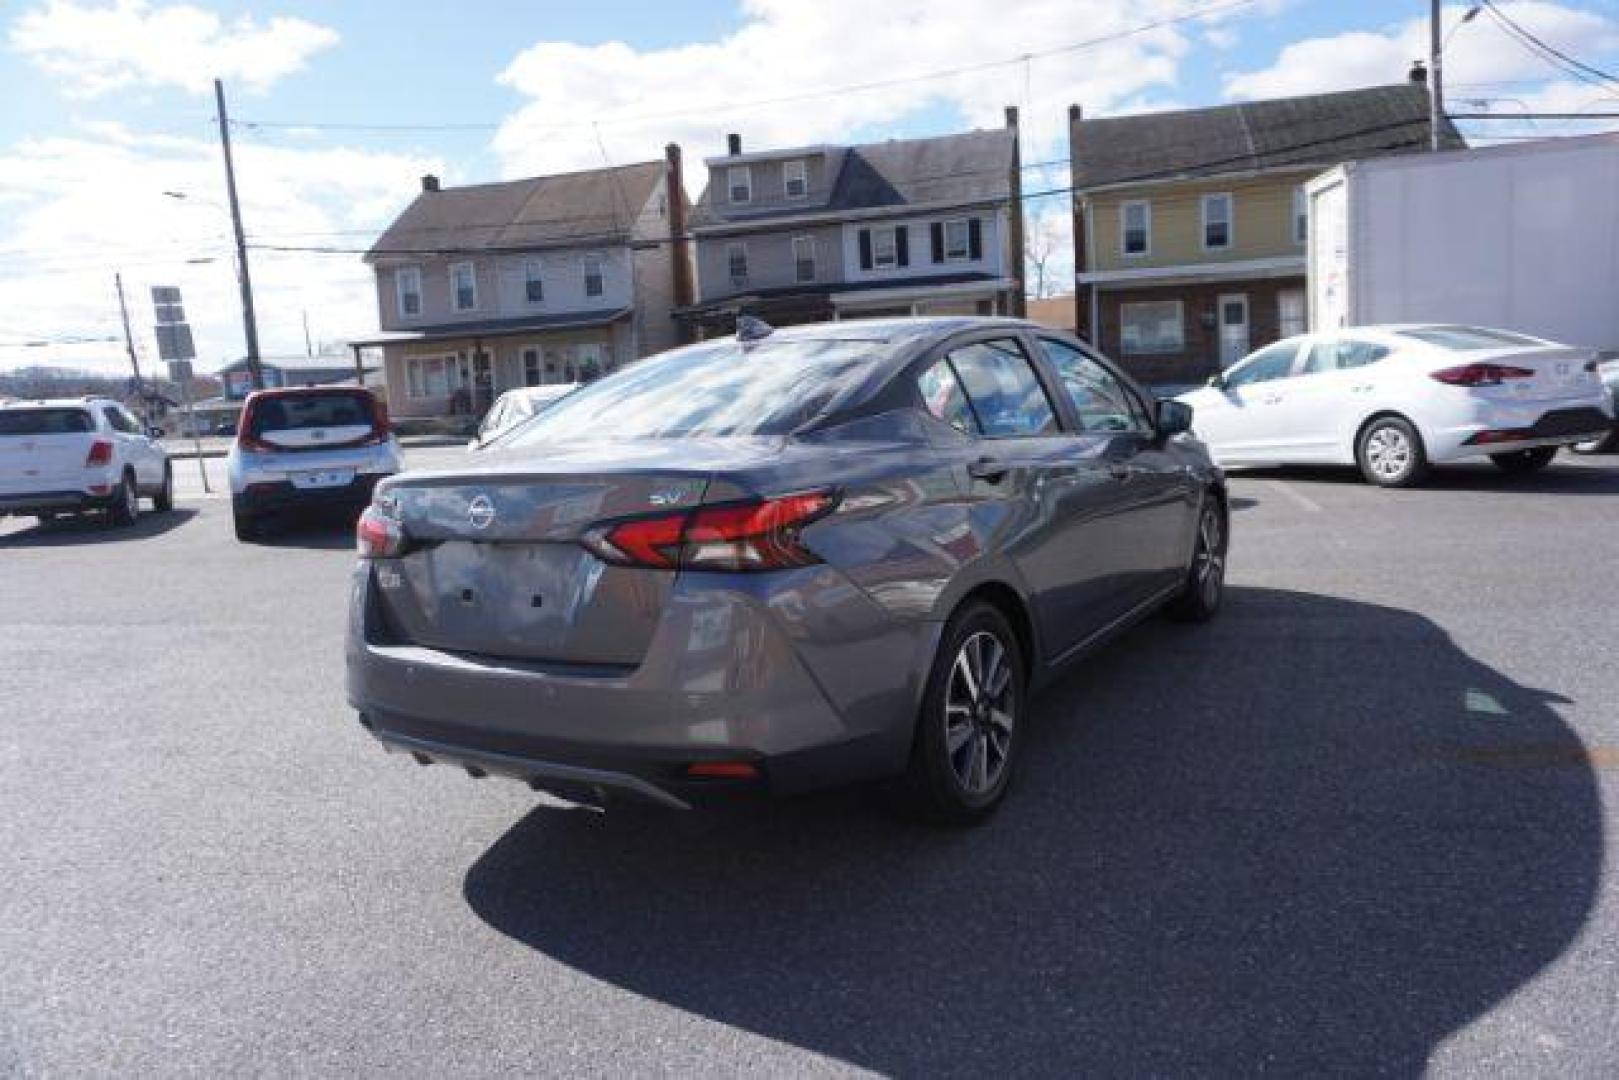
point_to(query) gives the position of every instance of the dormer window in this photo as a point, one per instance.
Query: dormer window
(739, 180)
(794, 179)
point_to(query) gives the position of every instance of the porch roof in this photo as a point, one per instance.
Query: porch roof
(492, 328)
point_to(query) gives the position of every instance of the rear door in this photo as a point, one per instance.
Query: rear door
(44, 448)
(1335, 378)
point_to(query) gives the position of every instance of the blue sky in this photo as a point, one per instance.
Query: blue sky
(108, 105)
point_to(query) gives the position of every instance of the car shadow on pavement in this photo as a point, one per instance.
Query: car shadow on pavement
(1314, 835)
(1598, 477)
(73, 531)
(317, 530)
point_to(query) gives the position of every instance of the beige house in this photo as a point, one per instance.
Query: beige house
(549, 279)
(1190, 226)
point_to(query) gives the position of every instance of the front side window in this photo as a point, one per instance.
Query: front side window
(804, 258)
(1100, 398)
(533, 282)
(408, 284)
(1216, 222)
(956, 243)
(1006, 396)
(943, 397)
(593, 275)
(736, 262)
(1147, 327)
(794, 180)
(1342, 356)
(1135, 221)
(739, 180)
(1267, 365)
(464, 286)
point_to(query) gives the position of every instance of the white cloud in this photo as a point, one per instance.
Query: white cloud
(76, 208)
(95, 50)
(1478, 53)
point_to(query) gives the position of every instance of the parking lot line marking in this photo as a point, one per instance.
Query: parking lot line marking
(1298, 497)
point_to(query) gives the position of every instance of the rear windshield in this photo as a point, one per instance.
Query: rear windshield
(720, 390)
(45, 422)
(1467, 338)
(311, 411)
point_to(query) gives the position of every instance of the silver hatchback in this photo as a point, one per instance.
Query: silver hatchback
(799, 558)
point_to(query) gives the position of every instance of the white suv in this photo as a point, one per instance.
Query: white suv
(73, 456)
(305, 447)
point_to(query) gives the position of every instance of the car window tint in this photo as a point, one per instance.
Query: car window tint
(1342, 356)
(293, 413)
(45, 422)
(1006, 396)
(1267, 365)
(1467, 338)
(1100, 397)
(941, 394)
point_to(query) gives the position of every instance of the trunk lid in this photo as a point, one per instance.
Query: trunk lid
(1559, 373)
(499, 570)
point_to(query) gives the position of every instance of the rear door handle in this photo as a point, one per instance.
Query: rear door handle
(987, 469)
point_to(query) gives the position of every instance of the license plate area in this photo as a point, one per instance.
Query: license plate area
(321, 478)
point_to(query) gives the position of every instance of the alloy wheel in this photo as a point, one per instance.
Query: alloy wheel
(1388, 452)
(980, 710)
(1208, 568)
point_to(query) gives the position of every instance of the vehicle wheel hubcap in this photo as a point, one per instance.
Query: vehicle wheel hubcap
(1388, 452)
(1208, 569)
(980, 710)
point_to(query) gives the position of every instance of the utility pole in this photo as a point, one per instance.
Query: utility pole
(1436, 76)
(129, 343)
(250, 325)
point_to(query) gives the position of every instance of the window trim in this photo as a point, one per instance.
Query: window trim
(1230, 220)
(966, 240)
(787, 169)
(600, 274)
(533, 271)
(798, 261)
(400, 273)
(455, 290)
(732, 250)
(1301, 215)
(892, 232)
(731, 174)
(1124, 228)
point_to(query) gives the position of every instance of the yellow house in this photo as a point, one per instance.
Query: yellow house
(1190, 226)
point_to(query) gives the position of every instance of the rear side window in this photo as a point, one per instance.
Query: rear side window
(1342, 356)
(942, 394)
(1004, 392)
(45, 422)
(1467, 338)
(311, 411)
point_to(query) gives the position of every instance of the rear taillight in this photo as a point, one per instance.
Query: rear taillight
(245, 439)
(1480, 374)
(100, 454)
(380, 428)
(764, 534)
(379, 536)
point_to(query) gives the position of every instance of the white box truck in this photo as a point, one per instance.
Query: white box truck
(1522, 237)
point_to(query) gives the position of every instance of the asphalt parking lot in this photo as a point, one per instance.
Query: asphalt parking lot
(1364, 822)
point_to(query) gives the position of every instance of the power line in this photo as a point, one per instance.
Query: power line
(1554, 50)
(1556, 59)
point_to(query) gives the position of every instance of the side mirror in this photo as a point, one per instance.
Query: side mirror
(1174, 418)
(1217, 380)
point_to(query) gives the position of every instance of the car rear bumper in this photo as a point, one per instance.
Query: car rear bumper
(1520, 429)
(805, 707)
(271, 497)
(53, 502)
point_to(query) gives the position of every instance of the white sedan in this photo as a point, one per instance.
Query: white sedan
(515, 406)
(1395, 399)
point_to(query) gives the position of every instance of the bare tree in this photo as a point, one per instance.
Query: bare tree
(1040, 245)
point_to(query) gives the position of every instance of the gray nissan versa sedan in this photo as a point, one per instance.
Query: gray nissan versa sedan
(789, 559)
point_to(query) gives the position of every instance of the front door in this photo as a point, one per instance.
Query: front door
(1233, 318)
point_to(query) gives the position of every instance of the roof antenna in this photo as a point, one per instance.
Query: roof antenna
(750, 329)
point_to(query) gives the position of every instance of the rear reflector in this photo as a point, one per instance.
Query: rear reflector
(763, 534)
(1499, 435)
(1480, 374)
(100, 454)
(723, 770)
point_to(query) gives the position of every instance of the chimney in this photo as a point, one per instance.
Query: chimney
(679, 247)
(429, 182)
(1419, 73)
(733, 144)
(1076, 205)
(1014, 220)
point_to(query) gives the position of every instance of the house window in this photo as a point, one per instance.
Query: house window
(531, 367)
(1152, 326)
(739, 179)
(593, 275)
(1135, 227)
(1301, 215)
(736, 262)
(804, 258)
(884, 248)
(431, 376)
(408, 282)
(956, 243)
(464, 286)
(1216, 222)
(533, 284)
(794, 180)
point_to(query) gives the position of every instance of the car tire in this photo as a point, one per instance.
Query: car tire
(1390, 453)
(248, 527)
(1521, 462)
(126, 502)
(1199, 599)
(163, 501)
(967, 732)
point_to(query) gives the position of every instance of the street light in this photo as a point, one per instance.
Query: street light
(1436, 66)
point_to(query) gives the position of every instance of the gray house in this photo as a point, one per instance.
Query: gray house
(812, 233)
(544, 280)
